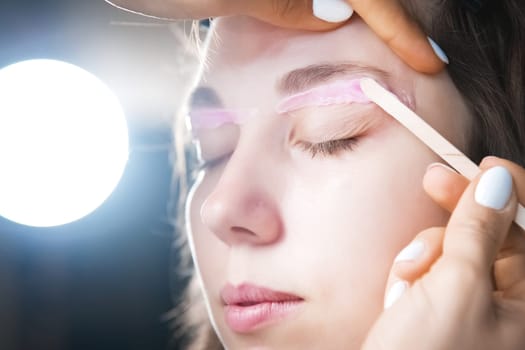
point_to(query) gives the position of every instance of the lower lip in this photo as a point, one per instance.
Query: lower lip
(245, 319)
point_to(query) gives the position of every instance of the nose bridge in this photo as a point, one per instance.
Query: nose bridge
(243, 207)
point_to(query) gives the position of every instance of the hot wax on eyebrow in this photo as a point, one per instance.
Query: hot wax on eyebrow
(338, 92)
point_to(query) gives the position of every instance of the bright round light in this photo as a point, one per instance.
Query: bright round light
(63, 143)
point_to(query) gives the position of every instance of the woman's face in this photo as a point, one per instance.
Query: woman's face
(293, 234)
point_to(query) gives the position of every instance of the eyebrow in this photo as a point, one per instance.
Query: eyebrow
(301, 79)
(294, 81)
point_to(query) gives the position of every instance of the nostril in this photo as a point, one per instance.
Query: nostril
(242, 231)
(244, 216)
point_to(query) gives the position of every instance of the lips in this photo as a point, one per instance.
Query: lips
(248, 307)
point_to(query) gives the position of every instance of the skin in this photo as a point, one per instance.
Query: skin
(260, 221)
(387, 18)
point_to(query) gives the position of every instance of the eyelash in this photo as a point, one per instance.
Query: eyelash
(329, 148)
(210, 164)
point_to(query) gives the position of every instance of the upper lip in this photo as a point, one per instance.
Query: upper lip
(247, 294)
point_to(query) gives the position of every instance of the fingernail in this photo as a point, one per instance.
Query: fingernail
(494, 188)
(411, 252)
(438, 50)
(441, 166)
(395, 292)
(333, 11)
(488, 159)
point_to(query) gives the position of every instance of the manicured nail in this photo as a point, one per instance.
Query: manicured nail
(441, 166)
(395, 292)
(438, 50)
(411, 252)
(494, 188)
(334, 11)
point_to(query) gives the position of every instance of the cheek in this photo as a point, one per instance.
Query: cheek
(351, 218)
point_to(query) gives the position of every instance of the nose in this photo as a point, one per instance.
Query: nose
(242, 210)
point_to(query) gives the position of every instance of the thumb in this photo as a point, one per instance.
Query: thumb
(479, 224)
(297, 14)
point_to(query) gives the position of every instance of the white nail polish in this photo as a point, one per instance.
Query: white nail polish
(334, 11)
(395, 292)
(494, 188)
(438, 50)
(411, 252)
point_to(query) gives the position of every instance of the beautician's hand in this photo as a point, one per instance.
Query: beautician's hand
(462, 286)
(386, 17)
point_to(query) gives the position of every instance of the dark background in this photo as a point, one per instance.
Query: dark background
(106, 281)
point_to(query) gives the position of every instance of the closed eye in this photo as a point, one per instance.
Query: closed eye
(213, 163)
(329, 148)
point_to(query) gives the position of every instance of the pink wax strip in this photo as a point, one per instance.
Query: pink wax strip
(338, 92)
(212, 118)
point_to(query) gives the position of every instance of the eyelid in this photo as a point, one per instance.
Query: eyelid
(204, 164)
(213, 144)
(321, 124)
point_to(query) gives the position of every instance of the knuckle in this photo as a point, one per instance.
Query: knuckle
(463, 282)
(461, 272)
(281, 7)
(290, 8)
(424, 301)
(478, 231)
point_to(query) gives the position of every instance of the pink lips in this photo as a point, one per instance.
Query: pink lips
(249, 307)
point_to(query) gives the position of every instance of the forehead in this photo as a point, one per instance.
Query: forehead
(247, 59)
(240, 43)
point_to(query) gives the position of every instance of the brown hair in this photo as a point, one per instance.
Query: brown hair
(485, 41)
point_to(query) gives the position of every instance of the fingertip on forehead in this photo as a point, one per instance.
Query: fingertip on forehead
(248, 24)
(239, 26)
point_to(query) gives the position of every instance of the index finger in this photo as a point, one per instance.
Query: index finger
(389, 20)
(175, 9)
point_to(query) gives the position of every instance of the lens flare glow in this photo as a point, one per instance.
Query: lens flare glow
(63, 143)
